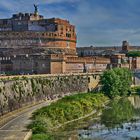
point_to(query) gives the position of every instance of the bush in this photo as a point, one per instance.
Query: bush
(42, 137)
(133, 54)
(38, 127)
(135, 90)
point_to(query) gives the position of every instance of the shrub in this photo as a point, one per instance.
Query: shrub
(42, 137)
(64, 110)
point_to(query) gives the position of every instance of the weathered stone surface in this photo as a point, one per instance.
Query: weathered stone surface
(16, 92)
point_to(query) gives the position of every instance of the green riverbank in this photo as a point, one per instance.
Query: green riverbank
(48, 119)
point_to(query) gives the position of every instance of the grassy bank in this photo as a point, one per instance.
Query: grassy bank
(67, 109)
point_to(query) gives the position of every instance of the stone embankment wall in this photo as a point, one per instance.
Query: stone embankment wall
(19, 91)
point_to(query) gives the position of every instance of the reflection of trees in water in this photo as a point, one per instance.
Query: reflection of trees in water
(118, 112)
(119, 120)
(137, 112)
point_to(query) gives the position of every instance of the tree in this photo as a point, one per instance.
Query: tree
(133, 54)
(116, 82)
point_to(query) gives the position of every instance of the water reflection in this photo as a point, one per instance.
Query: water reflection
(119, 120)
(117, 112)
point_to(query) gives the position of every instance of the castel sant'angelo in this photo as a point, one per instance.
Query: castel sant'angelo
(31, 44)
(31, 30)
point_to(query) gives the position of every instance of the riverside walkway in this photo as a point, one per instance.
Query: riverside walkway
(15, 129)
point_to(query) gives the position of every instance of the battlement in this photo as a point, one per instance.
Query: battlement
(26, 16)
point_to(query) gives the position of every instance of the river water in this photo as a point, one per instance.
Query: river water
(120, 120)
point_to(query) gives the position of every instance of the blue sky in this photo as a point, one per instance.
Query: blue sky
(98, 22)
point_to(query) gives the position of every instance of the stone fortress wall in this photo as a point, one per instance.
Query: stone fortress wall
(19, 91)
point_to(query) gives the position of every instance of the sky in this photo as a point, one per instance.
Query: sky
(98, 22)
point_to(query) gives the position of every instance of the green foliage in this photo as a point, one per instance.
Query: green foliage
(38, 127)
(116, 82)
(135, 90)
(118, 112)
(64, 110)
(42, 137)
(133, 54)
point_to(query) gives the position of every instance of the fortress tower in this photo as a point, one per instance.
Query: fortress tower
(33, 31)
(125, 46)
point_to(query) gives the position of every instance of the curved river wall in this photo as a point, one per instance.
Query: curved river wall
(19, 91)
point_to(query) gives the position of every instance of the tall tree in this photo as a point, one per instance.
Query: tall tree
(116, 82)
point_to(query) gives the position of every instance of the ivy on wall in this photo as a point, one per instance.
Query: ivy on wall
(19, 91)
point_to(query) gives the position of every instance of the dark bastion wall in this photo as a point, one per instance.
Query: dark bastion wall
(19, 91)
